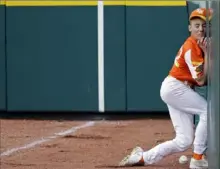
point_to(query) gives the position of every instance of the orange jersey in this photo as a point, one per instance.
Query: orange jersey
(188, 64)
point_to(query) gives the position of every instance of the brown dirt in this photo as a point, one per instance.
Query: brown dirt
(100, 146)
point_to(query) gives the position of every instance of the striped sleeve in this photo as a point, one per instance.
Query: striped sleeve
(194, 62)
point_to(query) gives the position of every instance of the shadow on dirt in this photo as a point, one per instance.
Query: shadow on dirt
(83, 116)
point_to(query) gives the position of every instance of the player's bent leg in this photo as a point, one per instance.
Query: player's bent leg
(140, 158)
(183, 125)
(183, 103)
(176, 94)
(179, 144)
(183, 98)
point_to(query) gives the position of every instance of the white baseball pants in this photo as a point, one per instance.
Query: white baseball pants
(182, 102)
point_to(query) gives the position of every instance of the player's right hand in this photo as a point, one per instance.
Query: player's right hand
(203, 44)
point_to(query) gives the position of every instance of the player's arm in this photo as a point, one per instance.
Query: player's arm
(197, 65)
(202, 80)
(203, 43)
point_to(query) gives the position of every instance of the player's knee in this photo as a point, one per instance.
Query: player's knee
(203, 117)
(183, 142)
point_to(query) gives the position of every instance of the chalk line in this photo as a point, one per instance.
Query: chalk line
(46, 139)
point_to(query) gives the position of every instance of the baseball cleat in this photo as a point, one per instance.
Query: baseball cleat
(198, 164)
(135, 158)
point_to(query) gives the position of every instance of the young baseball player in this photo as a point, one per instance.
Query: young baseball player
(189, 70)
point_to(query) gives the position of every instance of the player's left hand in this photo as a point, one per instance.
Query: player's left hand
(204, 43)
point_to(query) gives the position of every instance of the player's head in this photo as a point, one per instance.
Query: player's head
(197, 19)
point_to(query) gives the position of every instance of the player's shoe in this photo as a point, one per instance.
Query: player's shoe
(198, 164)
(135, 158)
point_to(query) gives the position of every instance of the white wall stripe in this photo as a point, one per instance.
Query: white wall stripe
(101, 88)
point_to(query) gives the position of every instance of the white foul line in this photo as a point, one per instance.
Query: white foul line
(101, 86)
(46, 139)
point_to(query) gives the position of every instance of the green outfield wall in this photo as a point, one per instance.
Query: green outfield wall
(52, 58)
(51, 51)
(2, 59)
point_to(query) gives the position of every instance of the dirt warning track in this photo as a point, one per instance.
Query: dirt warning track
(45, 144)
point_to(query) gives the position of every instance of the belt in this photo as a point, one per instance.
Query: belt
(187, 83)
